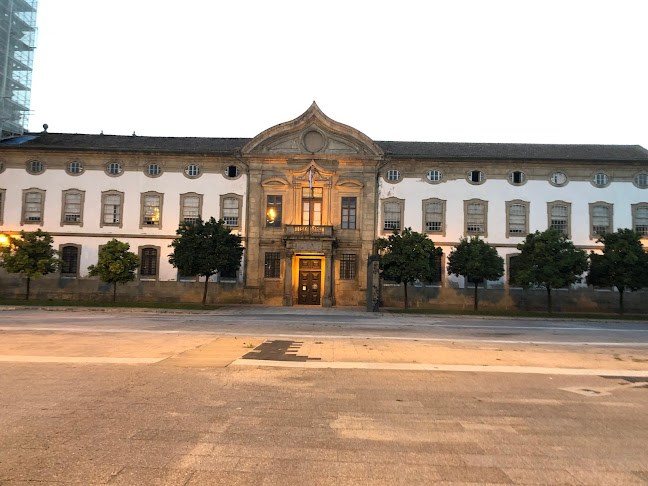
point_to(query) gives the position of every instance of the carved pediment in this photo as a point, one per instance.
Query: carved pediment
(317, 175)
(313, 133)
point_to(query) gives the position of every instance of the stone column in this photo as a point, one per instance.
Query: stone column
(287, 292)
(327, 299)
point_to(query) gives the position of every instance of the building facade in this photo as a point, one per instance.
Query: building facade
(17, 43)
(309, 197)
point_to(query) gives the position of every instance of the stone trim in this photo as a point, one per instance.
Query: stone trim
(78, 262)
(150, 164)
(111, 162)
(31, 162)
(25, 192)
(81, 204)
(610, 207)
(595, 174)
(440, 173)
(555, 184)
(186, 167)
(382, 229)
(442, 231)
(527, 205)
(550, 205)
(634, 179)
(75, 174)
(233, 178)
(635, 207)
(511, 176)
(483, 233)
(104, 195)
(3, 198)
(157, 263)
(471, 173)
(143, 197)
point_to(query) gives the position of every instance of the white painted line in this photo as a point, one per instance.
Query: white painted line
(77, 359)
(438, 367)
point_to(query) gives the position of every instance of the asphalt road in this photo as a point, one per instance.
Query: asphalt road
(332, 323)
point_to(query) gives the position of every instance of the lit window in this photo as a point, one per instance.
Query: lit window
(392, 211)
(272, 264)
(114, 168)
(600, 179)
(434, 175)
(517, 178)
(393, 175)
(348, 213)
(558, 179)
(75, 168)
(348, 267)
(312, 206)
(273, 211)
(192, 170)
(231, 211)
(151, 210)
(153, 170)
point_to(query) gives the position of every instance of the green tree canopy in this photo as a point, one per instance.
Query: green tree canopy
(623, 263)
(408, 257)
(549, 260)
(204, 248)
(32, 255)
(475, 259)
(115, 264)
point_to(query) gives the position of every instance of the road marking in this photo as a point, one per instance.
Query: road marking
(77, 359)
(439, 367)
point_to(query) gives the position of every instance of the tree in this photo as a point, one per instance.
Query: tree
(408, 257)
(115, 264)
(623, 263)
(549, 260)
(475, 259)
(32, 255)
(204, 248)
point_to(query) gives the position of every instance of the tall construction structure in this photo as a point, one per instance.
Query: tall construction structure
(17, 43)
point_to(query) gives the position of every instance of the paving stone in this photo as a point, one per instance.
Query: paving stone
(151, 476)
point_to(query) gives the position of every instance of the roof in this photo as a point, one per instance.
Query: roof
(436, 150)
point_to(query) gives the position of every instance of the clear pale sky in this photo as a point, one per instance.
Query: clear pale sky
(568, 71)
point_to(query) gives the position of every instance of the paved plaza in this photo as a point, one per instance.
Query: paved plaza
(174, 408)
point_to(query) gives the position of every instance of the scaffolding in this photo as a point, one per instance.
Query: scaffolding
(17, 43)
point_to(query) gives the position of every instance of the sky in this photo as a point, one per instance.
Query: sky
(523, 71)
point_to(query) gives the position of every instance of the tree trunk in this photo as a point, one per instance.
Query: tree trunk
(549, 305)
(405, 287)
(28, 280)
(621, 301)
(204, 299)
(114, 292)
(476, 306)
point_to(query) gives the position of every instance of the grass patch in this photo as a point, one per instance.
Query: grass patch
(519, 313)
(99, 303)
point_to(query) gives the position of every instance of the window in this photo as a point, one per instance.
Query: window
(558, 179)
(517, 178)
(312, 206)
(153, 170)
(112, 204)
(348, 264)
(640, 218)
(273, 211)
(476, 177)
(559, 216)
(475, 215)
(640, 180)
(349, 212)
(232, 172)
(393, 175)
(33, 205)
(600, 179)
(434, 216)
(272, 264)
(517, 218)
(434, 175)
(512, 268)
(3, 193)
(192, 171)
(231, 209)
(2, 166)
(190, 207)
(114, 169)
(151, 212)
(74, 168)
(600, 219)
(70, 260)
(392, 214)
(35, 167)
(72, 207)
(149, 262)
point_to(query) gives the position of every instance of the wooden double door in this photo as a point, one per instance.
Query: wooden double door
(310, 282)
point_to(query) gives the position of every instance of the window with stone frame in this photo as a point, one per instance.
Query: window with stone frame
(349, 205)
(33, 206)
(72, 207)
(69, 260)
(475, 213)
(231, 210)
(151, 211)
(348, 266)
(600, 219)
(190, 207)
(392, 215)
(640, 218)
(273, 210)
(149, 262)
(272, 264)
(434, 216)
(517, 218)
(112, 205)
(559, 216)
